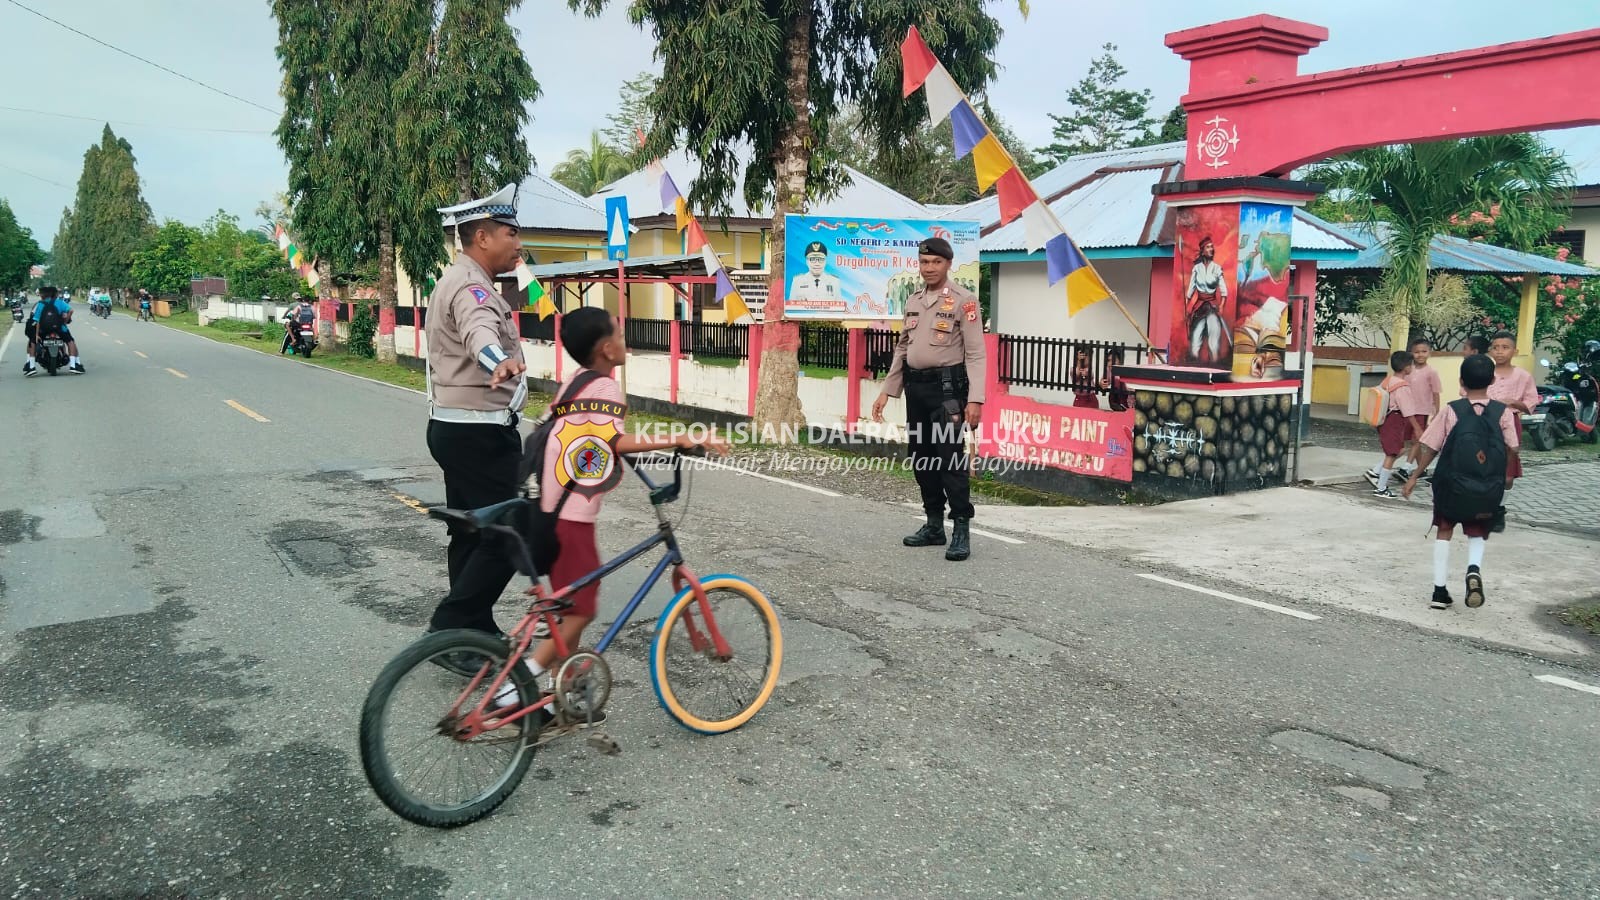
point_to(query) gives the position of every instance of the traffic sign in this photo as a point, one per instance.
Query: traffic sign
(617, 227)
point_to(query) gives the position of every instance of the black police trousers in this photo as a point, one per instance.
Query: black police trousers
(938, 454)
(480, 463)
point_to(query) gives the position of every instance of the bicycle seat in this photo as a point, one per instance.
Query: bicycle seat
(497, 514)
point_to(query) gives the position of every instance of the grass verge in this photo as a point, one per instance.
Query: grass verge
(1584, 615)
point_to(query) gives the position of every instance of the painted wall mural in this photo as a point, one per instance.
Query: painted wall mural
(1205, 286)
(1261, 324)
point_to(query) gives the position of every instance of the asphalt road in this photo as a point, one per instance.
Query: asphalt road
(195, 601)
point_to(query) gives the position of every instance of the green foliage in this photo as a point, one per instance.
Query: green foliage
(462, 105)
(108, 221)
(1410, 193)
(1104, 116)
(363, 329)
(631, 118)
(164, 265)
(925, 167)
(19, 252)
(1175, 127)
(587, 170)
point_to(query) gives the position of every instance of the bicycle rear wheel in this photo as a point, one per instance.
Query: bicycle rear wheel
(413, 756)
(703, 691)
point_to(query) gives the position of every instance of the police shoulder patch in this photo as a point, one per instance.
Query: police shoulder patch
(971, 309)
(479, 293)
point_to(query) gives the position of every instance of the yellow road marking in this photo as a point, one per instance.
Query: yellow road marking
(412, 502)
(177, 373)
(248, 411)
(140, 355)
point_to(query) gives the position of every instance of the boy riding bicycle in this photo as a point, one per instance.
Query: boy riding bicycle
(581, 466)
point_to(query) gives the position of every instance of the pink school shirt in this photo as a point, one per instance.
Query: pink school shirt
(1519, 386)
(590, 454)
(1425, 382)
(1440, 427)
(1409, 399)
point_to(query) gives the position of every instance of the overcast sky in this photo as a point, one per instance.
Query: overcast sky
(189, 172)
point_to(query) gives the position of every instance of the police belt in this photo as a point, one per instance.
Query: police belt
(950, 375)
(473, 416)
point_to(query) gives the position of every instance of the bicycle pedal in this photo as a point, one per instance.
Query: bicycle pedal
(605, 744)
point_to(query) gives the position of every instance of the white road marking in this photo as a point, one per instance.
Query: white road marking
(248, 411)
(1568, 683)
(773, 478)
(177, 373)
(988, 534)
(1234, 597)
(10, 333)
(140, 355)
(119, 342)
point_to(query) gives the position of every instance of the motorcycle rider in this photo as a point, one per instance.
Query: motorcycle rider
(47, 295)
(144, 303)
(301, 313)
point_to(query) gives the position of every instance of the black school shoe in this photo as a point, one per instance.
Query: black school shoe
(1475, 596)
(1441, 598)
(1498, 523)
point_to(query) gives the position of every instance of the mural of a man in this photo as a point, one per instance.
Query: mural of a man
(1204, 299)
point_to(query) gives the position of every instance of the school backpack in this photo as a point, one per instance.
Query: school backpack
(538, 526)
(50, 320)
(1375, 404)
(1470, 481)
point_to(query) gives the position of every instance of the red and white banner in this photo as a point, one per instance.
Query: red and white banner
(1086, 441)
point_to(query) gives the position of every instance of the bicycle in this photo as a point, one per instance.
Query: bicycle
(477, 732)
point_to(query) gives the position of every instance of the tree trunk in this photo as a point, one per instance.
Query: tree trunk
(326, 299)
(778, 390)
(463, 178)
(386, 291)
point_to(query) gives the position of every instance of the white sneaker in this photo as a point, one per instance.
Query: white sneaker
(1372, 476)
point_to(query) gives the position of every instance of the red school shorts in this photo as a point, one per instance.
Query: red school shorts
(1395, 431)
(1480, 528)
(580, 555)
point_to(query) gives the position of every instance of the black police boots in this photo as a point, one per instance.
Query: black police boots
(929, 535)
(960, 542)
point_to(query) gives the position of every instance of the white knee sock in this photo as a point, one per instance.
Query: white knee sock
(1475, 551)
(1383, 478)
(1441, 562)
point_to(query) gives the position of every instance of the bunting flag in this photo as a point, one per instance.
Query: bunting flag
(304, 268)
(695, 240)
(994, 167)
(537, 298)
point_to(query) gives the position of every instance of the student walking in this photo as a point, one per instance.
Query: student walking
(1403, 423)
(1476, 441)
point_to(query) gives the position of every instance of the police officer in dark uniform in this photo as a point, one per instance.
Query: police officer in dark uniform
(476, 391)
(939, 362)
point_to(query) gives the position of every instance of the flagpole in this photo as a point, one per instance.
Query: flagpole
(1060, 227)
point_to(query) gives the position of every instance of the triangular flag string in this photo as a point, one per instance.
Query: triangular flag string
(993, 164)
(696, 242)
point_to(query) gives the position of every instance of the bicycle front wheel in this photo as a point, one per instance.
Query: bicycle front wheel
(702, 689)
(416, 758)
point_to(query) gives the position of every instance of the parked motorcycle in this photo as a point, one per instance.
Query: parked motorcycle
(1567, 405)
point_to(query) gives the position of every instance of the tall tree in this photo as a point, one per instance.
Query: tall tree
(1104, 116)
(465, 99)
(350, 71)
(773, 75)
(632, 117)
(19, 252)
(588, 170)
(165, 264)
(109, 219)
(1175, 127)
(1410, 193)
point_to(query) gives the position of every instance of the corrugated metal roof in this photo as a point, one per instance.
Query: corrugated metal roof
(1452, 254)
(864, 196)
(1105, 201)
(546, 204)
(693, 263)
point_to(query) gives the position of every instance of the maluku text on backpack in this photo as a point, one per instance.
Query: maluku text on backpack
(1470, 481)
(539, 527)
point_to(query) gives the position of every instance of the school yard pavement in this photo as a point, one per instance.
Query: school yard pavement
(207, 554)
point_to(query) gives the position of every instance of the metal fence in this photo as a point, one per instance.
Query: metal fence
(1029, 361)
(648, 334)
(824, 346)
(880, 351)
(714, 339)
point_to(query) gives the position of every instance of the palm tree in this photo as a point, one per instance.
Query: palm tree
(587, 171)
(1408, 194)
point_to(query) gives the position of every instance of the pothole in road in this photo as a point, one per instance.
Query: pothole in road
(1370, 765)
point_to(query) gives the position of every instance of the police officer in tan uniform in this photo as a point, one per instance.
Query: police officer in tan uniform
(476, 391)
(939, 360)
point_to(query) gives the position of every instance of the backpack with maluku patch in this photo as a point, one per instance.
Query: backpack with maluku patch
(539, 527)
(1470, 481)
